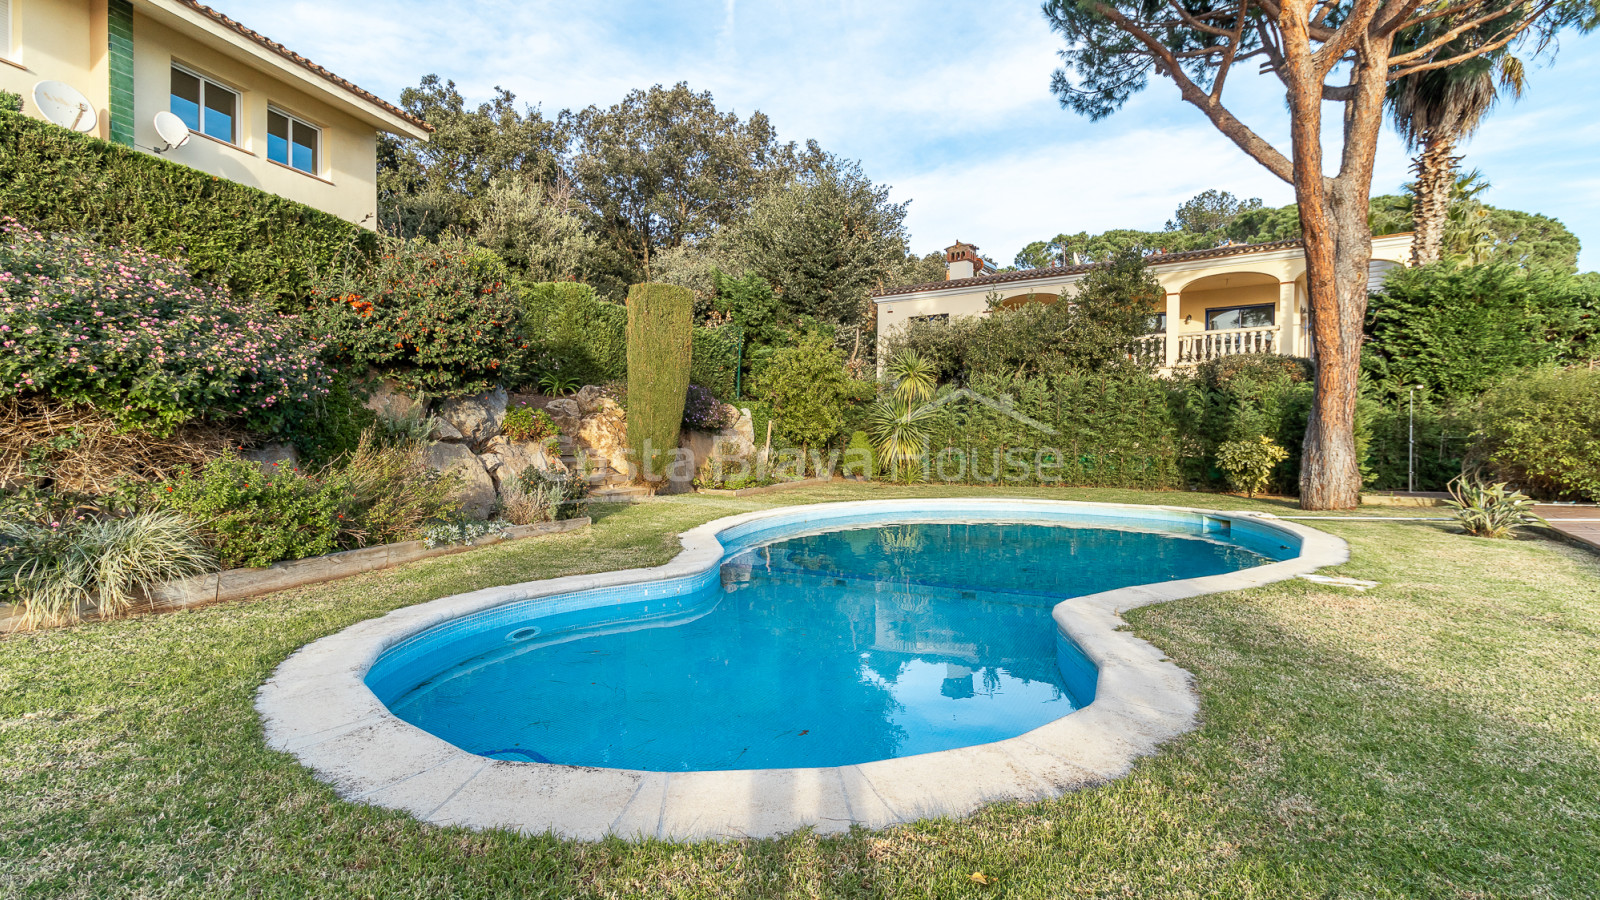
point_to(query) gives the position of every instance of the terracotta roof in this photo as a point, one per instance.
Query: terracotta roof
(1031, 274)
(301, 61)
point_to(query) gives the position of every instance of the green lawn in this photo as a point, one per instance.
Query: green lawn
(1438, 736)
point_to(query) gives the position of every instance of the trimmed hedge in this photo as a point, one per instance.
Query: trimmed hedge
(248, 240)
(659, 348)
(715, 362)
(567, 329)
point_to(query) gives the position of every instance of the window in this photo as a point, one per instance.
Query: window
(935, 319)
(205, 106)
(5, 29)
(1264, 316)
(1156, 324)
(292, 142)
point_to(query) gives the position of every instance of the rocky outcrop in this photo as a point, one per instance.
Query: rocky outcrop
(477, 491)
(504, 459)
(478, 417)
(385, 398)
(730, 446)
(593, 424)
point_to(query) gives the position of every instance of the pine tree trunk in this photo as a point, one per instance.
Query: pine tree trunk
(1436, 169)
(1330, 467)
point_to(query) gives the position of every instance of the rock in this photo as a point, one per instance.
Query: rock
(731, 446)
(476, 493)
(387, 400)
(477, 417)
(444, 431)
(564, 408)
(510, 458)
(282, 456)
(589, 398)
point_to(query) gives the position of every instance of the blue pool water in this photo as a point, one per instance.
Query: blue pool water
(817, 649)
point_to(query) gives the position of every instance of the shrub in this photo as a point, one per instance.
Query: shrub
(902, 430)
(1459, 329)
(9, 102)
(542, 496)
(524, 423)
(568, 331)
(51, 569)
(1237, 398)
(437, 317)
(255, 518)
(809, 391)
(658, 371)
(1490, 511)
(247, 240)
(858, 457)
(1541, 431)
(714, 360)
(704, 412)
(133, 335)
(1249, 464)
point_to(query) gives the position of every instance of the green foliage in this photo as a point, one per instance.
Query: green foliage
(524, 423)
(1541, 431)
(10, 103)
(664, 168)
(824, 240)
(555, 384)
(1458, 329)
(1241, 398)
(1210, 212)
(1490, 511)
(1249, 464)
(715, 359)
(660, 344)
(859, 458)
(439, 318)
(1444, 433)
(50, 569)
(135, 336)
(331, 426)
(901, 430)
(247, 240)
(448, 182)
(913, 377)
(567, 330)
(254, 517)
(809, 390)
(1104, 429)
(535, 495)
(1096, 331)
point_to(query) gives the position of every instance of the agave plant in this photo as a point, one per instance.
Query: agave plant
(554, 384)
(53, 569)
(914, 377)
(1490, 510)
(900, 430)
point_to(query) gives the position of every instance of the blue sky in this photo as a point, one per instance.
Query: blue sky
(949, 103)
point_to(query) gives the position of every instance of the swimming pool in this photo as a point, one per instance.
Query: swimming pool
(812, 666)
(827, 646)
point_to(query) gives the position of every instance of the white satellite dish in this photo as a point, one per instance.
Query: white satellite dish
(62, 104)
(172, 130)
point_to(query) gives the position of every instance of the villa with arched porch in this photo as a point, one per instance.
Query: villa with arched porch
(1248, 298)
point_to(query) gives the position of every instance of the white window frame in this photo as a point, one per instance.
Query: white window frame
(8, 29)
(295, 120)
(238, 107)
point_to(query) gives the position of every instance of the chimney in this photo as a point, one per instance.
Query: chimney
(962, 261)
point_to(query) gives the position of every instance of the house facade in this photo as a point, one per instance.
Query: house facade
(257, 113)
(1218, 302)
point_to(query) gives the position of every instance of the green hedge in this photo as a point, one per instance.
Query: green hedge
(715, 363)
(568, 329)
(659, 346)
(249, 240)
(1108, 431)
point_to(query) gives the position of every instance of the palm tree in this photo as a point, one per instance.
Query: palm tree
(1434, 111)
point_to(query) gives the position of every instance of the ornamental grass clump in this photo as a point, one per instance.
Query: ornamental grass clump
(53, 570)
(1492, 510)
(134, 336)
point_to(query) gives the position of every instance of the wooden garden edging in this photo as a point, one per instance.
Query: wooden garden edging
(238, 584)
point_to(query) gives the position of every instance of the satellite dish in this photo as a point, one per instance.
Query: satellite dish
(172, 130)
(62, 104)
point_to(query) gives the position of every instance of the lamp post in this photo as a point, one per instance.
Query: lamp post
(1411, 445)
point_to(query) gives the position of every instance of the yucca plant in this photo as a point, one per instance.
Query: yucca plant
(1490, 511)
(52, 569)
(901, 430)
(554, 384)
(914, 377)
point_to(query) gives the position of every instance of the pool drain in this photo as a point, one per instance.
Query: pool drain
(522, 634)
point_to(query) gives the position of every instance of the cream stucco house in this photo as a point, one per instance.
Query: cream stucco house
(258, 113)
(1219, 302)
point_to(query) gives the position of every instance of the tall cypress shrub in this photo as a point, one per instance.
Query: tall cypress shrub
(660, 329)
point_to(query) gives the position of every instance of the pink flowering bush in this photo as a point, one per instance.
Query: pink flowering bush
(133, 335)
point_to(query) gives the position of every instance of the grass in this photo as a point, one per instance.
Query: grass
(1438, 736)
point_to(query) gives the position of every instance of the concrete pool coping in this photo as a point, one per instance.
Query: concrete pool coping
(318, 707)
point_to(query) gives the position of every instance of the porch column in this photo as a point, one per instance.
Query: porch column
(1288, 319)
(1173, 321)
